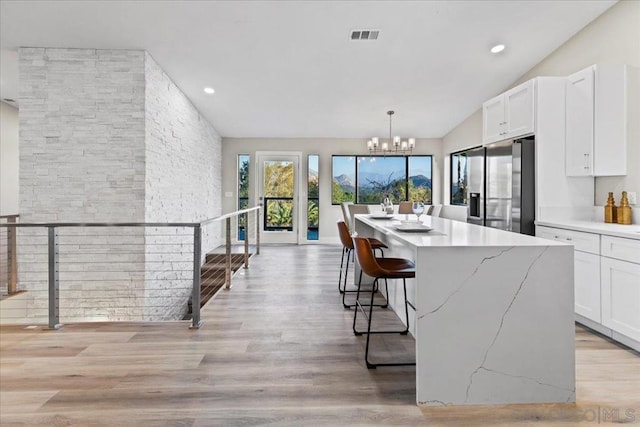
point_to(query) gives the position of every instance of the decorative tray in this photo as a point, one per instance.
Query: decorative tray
(380, 216)
(413, 228)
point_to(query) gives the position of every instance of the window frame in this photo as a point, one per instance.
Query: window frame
(451, 175)
(317, 198)
(240, 226)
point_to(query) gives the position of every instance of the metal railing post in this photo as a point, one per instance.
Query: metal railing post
(227, 270)
(12, 261)
(258, 231)
(195, 293)
(246, 240)
(54, 313)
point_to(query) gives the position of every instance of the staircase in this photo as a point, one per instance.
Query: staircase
(212, 274)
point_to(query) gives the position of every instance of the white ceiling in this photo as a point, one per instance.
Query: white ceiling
(288, 69)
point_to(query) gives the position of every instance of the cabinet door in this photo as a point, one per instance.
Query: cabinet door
(587, 285)
(621, 296)
(493, 120)
(610, 119)
(519, 110)
(547, 233)
(579, 130)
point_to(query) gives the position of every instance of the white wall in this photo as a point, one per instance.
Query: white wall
(325, 148)
(182, 183)
(105, 136)
(614, 37)
(81, 135)
(9, 153)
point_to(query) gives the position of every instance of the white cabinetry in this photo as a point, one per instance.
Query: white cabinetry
(579, 115)
(607, 282)
(493, 119)
(587, 285)
(509, 115)
(586, 268)
(597, 108)
(621, 286)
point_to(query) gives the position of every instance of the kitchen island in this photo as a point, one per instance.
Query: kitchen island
(494, 312)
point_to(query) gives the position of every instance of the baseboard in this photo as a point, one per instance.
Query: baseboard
(611, 334)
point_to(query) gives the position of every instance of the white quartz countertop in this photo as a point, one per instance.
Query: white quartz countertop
(617, 230)
(447, 232)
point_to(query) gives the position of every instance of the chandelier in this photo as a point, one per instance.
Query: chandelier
(394, 146)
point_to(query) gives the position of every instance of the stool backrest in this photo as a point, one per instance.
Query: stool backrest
(345, 236)
(405, 208)
(353, 211)
(366, 259)
(345, 213)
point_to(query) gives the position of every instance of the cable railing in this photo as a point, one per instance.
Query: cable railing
(90, 272)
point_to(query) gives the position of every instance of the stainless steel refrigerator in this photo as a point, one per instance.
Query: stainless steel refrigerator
(501, 179)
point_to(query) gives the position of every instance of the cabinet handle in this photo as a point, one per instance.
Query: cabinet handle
(569, 238)
(586, 161)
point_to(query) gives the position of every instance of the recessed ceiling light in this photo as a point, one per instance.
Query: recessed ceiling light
(497, 48)
(209, 90)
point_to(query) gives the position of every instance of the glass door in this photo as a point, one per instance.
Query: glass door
(278, 176)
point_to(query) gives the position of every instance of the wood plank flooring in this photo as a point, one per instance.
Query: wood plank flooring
(277, 349)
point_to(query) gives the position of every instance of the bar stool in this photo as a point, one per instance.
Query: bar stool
(405, 208)
(347, 249)
(380, 268)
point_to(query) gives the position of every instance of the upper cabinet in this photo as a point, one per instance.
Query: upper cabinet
(579, 130)
(509, 115)
(597, 109)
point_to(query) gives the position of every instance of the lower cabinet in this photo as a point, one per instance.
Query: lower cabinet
(587, 285)
(606, 282)
(620, 281)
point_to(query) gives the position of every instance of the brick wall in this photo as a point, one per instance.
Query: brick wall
(82, 135)
(105, 136)
(183, 179)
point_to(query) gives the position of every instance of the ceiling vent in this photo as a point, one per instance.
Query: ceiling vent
(365, 34)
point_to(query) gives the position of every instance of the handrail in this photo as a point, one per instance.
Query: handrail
(231, 214)
(103, 224)
(131, 224)
(53, 249)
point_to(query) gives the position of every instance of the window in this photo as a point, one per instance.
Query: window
(459, 177)
(380, 177)
(313, 205)
(343, 188)
(278, 190)
(243, 191)
(419, 183)
(369, 179)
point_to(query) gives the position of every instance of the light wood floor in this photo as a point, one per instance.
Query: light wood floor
(277, 349)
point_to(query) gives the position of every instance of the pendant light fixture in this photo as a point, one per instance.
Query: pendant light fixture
(395, 145)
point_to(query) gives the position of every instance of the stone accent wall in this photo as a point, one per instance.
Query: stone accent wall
(105, 136)
(82, 160)
(82, 135)
(183, 182)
